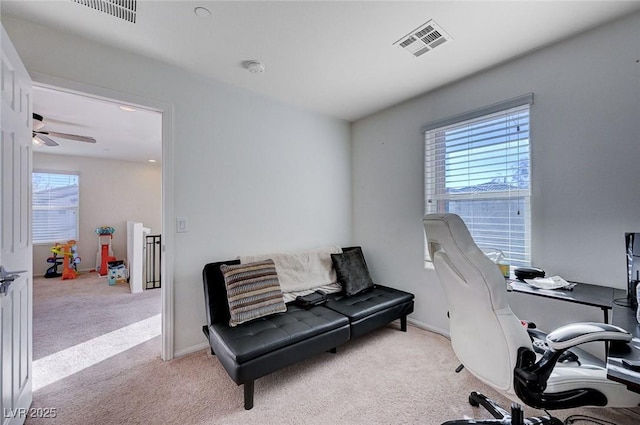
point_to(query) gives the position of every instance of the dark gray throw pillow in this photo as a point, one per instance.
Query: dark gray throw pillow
(352, 271)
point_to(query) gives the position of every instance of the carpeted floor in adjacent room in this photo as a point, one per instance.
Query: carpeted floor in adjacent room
(386, 377)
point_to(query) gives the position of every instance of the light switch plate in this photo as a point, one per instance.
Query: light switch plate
(181, 225)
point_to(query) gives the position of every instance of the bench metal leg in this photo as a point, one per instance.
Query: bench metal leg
(205, 330)
(248, 395)
(403, 323)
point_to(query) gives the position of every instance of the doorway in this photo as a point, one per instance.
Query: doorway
(107, 172)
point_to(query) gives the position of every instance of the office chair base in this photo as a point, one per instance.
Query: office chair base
(501, 416)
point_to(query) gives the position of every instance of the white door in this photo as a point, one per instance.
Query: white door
(15, 236)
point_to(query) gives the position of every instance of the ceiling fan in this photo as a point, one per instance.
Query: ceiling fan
(42, 137)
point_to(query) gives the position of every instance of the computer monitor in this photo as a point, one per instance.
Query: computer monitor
(632, 244)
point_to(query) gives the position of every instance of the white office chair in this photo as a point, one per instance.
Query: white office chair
(492, 344)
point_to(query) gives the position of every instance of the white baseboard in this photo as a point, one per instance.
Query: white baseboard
(430, 328)
(191, 349)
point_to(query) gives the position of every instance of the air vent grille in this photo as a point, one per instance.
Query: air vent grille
(122, 9)
(424, 32)
(407, 42)
(423, 39)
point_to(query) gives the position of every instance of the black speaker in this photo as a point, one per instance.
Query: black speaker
(528, 272)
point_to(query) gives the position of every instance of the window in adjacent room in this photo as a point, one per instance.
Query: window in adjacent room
(55, 207)
(477, 165)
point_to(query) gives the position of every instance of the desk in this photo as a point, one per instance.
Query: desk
(624, 317)
(582, 293)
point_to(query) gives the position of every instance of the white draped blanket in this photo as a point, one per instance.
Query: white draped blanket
(301, 271)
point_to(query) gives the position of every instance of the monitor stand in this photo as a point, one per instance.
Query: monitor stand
(632, 248)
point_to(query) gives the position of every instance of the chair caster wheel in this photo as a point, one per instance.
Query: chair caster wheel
(472, 400)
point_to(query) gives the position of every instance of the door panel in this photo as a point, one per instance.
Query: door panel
(15, 234)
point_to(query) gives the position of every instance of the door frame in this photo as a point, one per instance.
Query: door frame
(168, 214)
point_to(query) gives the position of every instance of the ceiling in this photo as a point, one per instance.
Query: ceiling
(333, 57)
(129, 134)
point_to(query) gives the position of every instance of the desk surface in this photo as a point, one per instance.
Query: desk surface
(582, 293)
(624, 317)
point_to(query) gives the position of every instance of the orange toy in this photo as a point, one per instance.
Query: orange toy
(105, 254)
(105, 244)
(66, 250)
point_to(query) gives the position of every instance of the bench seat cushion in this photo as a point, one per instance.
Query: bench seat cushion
(369, 302)
(258, 337)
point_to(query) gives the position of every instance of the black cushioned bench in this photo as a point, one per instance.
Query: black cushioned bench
(259, 347)
(373, 309)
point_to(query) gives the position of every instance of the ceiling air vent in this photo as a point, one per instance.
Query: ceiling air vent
(123, 9)
(423, 39)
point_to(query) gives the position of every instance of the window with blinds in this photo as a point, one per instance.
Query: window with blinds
(55, 207)
(477, 166)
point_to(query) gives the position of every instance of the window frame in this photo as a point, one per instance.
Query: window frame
(436, 186)
(35, 208)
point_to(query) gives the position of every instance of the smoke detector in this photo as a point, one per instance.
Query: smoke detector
(202, 12)
(423, 39)
(254, 67)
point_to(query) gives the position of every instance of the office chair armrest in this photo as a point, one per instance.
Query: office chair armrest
(530, 377)
(579, 333)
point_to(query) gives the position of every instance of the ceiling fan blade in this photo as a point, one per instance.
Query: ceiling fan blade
(69, 136)
(45, 140)
(39, 121)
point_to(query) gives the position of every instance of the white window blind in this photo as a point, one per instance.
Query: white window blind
(55, 207)
(477, 165)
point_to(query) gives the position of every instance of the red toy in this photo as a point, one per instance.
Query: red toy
(105, 254)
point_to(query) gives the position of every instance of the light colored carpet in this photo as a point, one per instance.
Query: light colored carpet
(54, 367)
(385, 377)
(70, 312)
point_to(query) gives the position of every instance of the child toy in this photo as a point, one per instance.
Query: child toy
(117, 272)
(105, 254)
(76, 257)
(70, 258)
(57, 261)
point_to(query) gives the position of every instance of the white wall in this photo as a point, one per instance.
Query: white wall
(585, 132)
(251, 175)
(111, 192)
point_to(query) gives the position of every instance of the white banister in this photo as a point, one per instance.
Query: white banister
(135, 254)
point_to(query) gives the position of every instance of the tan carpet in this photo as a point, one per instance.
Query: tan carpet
(69, 312)
(386, 377)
